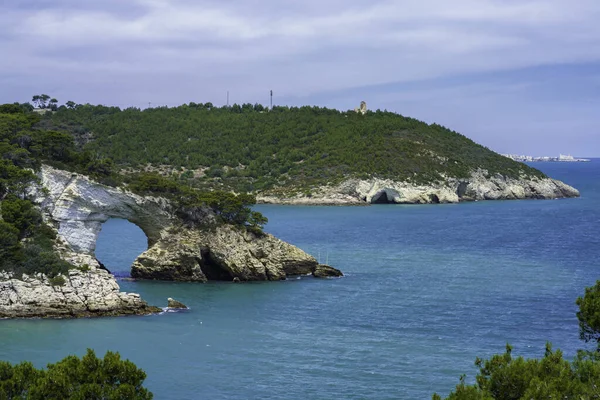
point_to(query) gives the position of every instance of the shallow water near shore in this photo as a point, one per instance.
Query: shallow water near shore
(427, 289)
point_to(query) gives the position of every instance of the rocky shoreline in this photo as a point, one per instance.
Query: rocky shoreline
(224, 253)
(93, 293)
(479, 186)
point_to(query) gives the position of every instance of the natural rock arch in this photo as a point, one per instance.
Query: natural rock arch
(80, 206)
(119, 243)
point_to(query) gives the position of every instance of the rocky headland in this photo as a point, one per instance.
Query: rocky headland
(77, 207)
(479, 186)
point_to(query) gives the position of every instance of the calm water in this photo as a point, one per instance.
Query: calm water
(427, 289)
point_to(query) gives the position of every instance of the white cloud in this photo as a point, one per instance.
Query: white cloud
(293, 47)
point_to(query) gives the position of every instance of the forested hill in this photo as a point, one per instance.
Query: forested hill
(250, 148)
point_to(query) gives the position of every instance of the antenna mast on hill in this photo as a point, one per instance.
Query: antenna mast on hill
(271, 100)
(228, 99)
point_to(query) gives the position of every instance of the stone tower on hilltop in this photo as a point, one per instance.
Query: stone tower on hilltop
(362, 109)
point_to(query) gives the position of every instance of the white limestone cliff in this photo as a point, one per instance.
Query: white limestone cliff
(479, 186)
(79, 206)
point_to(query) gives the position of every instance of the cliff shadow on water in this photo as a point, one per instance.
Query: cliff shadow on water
(118, 244)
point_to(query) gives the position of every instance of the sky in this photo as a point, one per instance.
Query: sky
(518, 76)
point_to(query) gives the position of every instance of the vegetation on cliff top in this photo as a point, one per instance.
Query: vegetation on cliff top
(249, 148)
(27, 243)
(505, 377)
(88, 377)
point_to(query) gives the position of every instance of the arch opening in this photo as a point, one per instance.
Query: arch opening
(119, 243)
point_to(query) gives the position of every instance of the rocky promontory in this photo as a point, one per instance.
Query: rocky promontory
(77, 206)
(223, 253)
(479, 186)
(92, 293)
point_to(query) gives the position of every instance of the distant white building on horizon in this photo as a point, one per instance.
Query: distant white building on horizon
(560, 158)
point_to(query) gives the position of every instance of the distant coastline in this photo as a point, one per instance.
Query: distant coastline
(560, 158)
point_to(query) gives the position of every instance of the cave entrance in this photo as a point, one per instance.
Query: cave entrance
(385, 196)
(119, 243)
(212, 269)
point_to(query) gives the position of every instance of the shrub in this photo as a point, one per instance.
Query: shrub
(88, 377)
(504, 377)
(9, 242)
(589, 315)
(21, 214)
(58, 280)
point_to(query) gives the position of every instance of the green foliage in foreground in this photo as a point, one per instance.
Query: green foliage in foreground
(89, 378)
(589, 315)
(247, 148)
(504, 377)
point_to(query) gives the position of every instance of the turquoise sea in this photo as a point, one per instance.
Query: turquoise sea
(427, 289)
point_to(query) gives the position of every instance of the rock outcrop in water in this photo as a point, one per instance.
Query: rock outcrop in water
(78, 206)
(176, 252)
(222, 253)
(479, 186)
(172, 303)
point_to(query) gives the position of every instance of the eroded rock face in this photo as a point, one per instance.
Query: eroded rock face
(223, 253)
(80, 206)
(83, 294)
(479, 186)
(77, 207)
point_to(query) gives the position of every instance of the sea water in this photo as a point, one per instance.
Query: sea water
(427, 289)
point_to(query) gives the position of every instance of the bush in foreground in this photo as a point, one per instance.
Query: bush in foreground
(89, 378)
(504, 377)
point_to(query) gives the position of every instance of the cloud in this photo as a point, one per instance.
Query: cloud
(174, 51)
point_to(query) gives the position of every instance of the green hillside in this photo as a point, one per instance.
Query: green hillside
(27, 242)
(249, 148)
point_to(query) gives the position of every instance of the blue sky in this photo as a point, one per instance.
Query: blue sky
(519, 76)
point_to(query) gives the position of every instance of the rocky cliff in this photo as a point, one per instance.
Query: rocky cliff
(479, 186)
(83, 294)
(77, 207)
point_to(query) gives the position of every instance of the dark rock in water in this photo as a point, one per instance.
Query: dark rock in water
(236, 280)
(171, 303)
(325, 271)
